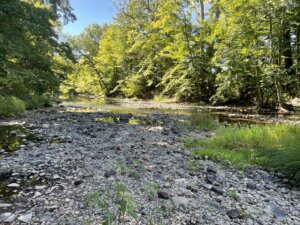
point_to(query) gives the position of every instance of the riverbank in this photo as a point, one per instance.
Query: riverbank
(79, 154)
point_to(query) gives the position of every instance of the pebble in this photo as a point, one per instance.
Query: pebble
(13, 185)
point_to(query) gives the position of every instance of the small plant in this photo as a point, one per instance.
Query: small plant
(193, 165)
(121, 167)
(234, 194)
(134, 174)
(151, 188)
(87, 222)
(115, 205)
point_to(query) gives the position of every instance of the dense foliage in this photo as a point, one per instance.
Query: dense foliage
(29, 49)
(218, 51)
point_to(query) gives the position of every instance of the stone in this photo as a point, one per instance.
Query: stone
(251, 186)
(192, 188)
(4, 205)
(25, 218)
(41, 187)
(110, 173)
(163, 194)
(207, 186)
(78, 182)
(211, 179)
(279, 213)
(7, 217)
(56, 177)
(13, 185)
(218, 190)
(211, 169)
(234, 214)
(180, 201)
(13, 133)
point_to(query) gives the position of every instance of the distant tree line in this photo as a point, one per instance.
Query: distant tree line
(217, 51)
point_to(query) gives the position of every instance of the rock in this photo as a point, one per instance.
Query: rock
(110, 173)
(13, 133)
(211, 179)
(7, 217)
(214, 204)
(13, 185)
(38, 188)
(279, 213)
(78, 182)
(124, 118)
(211, 169)
(163, 194)
(251, 186)
(167, 185)
(207, 186)
(3, 205)
(192, 188)
(234, 214)
(180, 201)
(218, 190)
(56, 177)
(25, 218)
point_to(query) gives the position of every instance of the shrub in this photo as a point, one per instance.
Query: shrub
(10, 105)
(37, 101)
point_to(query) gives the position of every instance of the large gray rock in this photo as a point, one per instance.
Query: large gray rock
(180, 201)
(7, 217)
(25, 218)
(278, 213)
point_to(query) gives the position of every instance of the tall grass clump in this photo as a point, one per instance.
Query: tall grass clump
(275, 146)
(10, 105)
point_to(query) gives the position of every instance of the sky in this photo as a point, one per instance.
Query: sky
(88, 12)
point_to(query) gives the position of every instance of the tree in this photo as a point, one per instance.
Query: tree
(28, 44)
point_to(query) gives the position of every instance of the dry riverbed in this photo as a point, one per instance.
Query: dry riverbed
(63, 157)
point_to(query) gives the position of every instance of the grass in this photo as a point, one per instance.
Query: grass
(272, 146)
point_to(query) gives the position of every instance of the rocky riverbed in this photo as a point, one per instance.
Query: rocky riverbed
(55, 178)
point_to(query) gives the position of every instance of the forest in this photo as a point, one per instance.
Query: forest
(243, 52)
